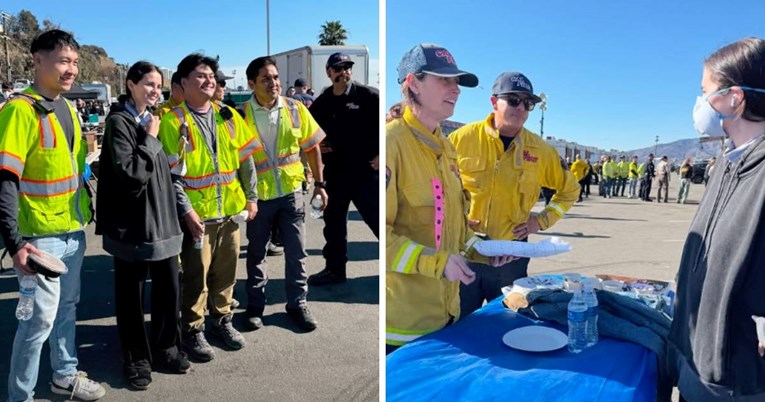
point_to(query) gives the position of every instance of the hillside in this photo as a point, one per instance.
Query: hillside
(95, 64)
(680, 149)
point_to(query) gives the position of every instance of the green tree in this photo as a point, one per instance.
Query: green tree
(332, 33)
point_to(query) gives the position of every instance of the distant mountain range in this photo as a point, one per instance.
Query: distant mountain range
(679, 150)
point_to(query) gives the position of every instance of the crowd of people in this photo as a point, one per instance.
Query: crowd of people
(636, 178)
(176, 180)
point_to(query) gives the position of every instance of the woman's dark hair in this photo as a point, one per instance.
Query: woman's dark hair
(254, 67)
(135, 74)
(50, 40)
(742, 63)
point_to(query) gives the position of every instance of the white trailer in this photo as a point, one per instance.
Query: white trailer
(309, 63)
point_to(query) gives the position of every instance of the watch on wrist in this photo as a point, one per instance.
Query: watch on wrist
(320, 184)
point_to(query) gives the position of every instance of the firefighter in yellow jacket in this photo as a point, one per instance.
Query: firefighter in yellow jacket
(425, 222)
(503, 166)
(580, 169)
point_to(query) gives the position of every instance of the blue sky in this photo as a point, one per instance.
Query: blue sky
(164, 31)
(617, 73)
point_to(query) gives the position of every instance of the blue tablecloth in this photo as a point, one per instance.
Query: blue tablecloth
(468, 361)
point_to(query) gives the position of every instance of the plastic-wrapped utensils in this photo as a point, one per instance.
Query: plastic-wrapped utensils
(545, 248)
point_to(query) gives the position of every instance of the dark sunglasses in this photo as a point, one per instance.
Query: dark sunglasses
(342, 67)
(515, 100)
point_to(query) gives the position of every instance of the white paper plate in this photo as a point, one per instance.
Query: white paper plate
(535, 338)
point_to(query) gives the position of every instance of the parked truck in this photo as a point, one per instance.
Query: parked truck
(104, 91)
(309, 63)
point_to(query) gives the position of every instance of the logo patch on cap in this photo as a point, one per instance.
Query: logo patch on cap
(445, 54)
(522, 82)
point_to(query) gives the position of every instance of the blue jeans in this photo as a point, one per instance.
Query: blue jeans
(54, 318)
(685, 185)
(633, 185)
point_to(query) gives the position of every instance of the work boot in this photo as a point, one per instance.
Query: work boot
(197, 347)
(226, 332)
(326, 277)
(254, 319)
(303, 317)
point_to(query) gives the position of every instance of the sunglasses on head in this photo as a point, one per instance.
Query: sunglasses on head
(342, 67)
(515, 100)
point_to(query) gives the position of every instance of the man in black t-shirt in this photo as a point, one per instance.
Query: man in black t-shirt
(349, 114)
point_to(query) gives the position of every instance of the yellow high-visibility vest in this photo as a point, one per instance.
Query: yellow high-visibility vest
(207, 175)
(33, 146)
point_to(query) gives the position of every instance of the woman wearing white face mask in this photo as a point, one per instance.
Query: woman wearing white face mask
(715, 345)
(138, 219)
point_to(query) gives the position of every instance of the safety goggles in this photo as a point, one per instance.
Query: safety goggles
(515, 100)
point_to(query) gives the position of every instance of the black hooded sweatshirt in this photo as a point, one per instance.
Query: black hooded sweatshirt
(135, 205)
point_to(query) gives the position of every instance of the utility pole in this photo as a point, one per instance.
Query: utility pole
(268, 29)
(4, 30)
(542, 107)
(656, 147)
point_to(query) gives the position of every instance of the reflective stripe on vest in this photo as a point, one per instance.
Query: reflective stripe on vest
(268, 164)
(229, 123)
(11, 162)
(47, 135)
(294, 112)
(40, 188)
(202, 182)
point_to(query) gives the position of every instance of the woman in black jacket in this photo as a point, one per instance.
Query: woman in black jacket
(715, 344)
(137, 217)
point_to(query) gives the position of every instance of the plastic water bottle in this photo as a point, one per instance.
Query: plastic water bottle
(26, 297)
(592, 315)
(577, 320)
(316, 204)
(240, 217)
(199, 241)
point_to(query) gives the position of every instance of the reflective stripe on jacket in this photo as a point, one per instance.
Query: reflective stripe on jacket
(419, 299)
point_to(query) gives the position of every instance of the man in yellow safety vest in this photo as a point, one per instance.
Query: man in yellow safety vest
(285, 128)
(44, 207)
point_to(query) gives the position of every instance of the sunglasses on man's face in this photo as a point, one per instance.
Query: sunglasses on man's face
(341, 67)
(515, 100)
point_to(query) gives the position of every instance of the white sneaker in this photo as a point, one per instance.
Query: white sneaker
(77, 386)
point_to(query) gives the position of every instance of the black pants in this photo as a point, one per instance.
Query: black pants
(129, 283)
(582, 189)
(548, 193)
(645, 189)
(363, 191)
(288, 214)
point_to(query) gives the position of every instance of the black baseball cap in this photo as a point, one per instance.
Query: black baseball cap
(220, 77)
(300, 82)
(338, 58)
(513, 82)
(434, 60)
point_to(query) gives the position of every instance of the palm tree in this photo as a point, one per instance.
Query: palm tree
(332, 34)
